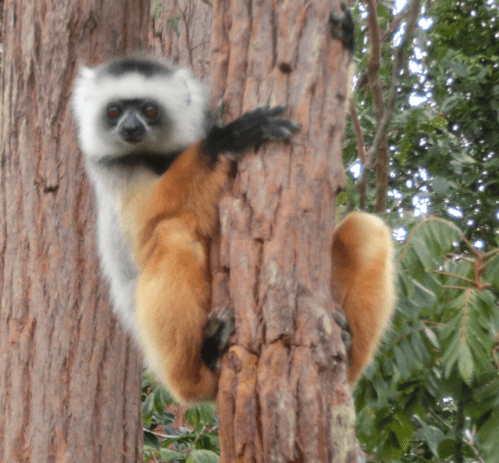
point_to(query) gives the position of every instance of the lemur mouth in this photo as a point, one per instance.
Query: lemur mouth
(133, 139)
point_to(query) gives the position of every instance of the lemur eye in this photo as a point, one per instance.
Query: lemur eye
(151, 112)
(113, 112)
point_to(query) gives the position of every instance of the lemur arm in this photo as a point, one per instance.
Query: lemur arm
(172, 225)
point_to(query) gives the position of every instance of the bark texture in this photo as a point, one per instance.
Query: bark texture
(181, 32)
(69, 375)
(283, 394)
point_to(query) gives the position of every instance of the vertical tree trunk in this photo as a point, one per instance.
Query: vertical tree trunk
(69, 375)
(283, 393)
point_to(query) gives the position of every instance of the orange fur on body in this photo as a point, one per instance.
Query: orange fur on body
(171, 225)
(171, 222)
(363, 283)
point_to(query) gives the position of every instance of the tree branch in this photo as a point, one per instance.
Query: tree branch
(382, 129)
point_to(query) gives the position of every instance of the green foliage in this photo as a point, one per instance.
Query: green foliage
(156, 8)
(438, 361)
(174, 21)
(197, 444)
(433, 392)
(445, 150)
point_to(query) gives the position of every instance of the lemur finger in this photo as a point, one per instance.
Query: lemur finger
(281, 129)
(260, 125)
(270, 129)
(272, 112)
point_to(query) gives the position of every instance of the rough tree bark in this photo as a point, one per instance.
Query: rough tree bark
(181, 32)
(69, 375)
(283, 394)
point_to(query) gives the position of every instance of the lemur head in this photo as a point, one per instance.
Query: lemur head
(134, 105)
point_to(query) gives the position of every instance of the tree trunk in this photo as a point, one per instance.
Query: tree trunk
(69, 375)
(283, 393)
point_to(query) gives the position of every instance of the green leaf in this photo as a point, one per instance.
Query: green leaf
(403, 428)
(488, 434)
(401, 362)
(433, 436)
(446, 448)
(459, 69)
(431, 336)
(423, 297)
(489, 388)
(203, 456)
(148, 407)
(169, 455)
(491, 272)
(450, 103)
(200, 414)
(465, 364)
(151, 440)
(440, 186)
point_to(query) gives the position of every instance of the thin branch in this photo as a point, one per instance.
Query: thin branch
(373, 63)
(163, 436)
(206, 428)
(151, 454)
(469, 442)
(437, 417)
(359, 137)
(381, 132)
(361, 154)
(452, 275)
(387, 34)
(492, 253)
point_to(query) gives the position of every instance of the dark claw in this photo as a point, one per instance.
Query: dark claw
(281, 129)
(346, 335)
(219, 329)
(217, 115)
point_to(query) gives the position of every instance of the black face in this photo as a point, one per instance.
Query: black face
(132, 118)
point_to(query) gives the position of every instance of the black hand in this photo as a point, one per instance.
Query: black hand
(219, 328)
(250, 130)
(342, 27)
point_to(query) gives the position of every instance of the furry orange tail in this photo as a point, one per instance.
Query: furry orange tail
(363, 283)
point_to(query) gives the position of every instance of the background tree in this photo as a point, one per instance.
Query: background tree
(69, 374)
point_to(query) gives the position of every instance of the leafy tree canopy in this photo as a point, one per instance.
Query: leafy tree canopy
(433, 392)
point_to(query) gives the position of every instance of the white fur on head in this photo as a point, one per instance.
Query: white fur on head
(182, 96)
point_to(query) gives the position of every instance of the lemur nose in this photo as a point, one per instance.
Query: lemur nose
(132, 129)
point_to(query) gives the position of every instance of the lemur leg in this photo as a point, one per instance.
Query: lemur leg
(363, 283)
(174, 291)
(173, 300)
